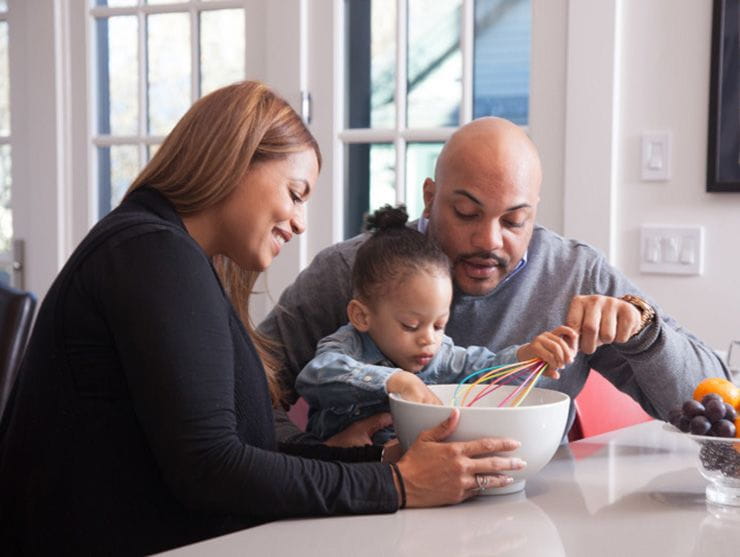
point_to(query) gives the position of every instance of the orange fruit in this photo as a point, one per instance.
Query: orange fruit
(724, 388)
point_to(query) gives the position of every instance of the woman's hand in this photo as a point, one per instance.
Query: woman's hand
(436, 473)
(411, 388)
(557, 348)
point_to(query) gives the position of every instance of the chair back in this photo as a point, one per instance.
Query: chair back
(601, 407)
(16, 315)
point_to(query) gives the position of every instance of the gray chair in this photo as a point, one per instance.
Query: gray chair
(16, 315)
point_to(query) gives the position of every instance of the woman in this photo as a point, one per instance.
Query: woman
(142, 419)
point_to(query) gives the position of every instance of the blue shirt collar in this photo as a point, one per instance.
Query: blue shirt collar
(371, 354)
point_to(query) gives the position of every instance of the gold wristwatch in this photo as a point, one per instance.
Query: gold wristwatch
(647, 313)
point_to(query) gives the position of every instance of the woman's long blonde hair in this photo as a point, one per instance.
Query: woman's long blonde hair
(208, 154)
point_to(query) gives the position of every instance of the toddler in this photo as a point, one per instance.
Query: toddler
(394, 341)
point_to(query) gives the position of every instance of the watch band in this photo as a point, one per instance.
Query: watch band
(647, 313)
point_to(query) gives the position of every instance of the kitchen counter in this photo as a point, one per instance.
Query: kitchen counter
(631, 492)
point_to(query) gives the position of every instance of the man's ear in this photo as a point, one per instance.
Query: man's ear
(359, 315)
(429, 190)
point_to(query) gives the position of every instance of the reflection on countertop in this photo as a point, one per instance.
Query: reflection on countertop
(631, 492)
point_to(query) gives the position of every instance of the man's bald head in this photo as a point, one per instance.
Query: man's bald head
(483, 200)
(493, 147)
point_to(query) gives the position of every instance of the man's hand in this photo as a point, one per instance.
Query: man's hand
(411, 388)
(360, 433)
(602, 320)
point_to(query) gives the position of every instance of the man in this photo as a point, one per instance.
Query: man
(513, 280)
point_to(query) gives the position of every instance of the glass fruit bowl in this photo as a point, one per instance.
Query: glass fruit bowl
(719, 463)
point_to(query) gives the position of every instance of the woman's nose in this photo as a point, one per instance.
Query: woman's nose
(298, 222)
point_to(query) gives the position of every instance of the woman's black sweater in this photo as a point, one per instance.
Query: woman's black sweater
(141, 420)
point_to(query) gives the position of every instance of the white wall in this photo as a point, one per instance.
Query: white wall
(665, 86)
(660, 52)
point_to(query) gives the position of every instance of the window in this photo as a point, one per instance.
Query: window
(6, 218)
(153, 59)
(414, 71)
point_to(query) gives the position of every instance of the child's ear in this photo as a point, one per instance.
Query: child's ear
(358, 315)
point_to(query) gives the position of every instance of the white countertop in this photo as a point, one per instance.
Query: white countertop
(631, 492)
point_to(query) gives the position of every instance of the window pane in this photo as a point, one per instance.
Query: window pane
(420, 161)
(4, 77)
(3, 6)
(382, 175)
(118, 71)
(434, 63)
(371, 182)
(164, 1)
(371, 63)
(503, 32)
(118, 165)
(168, 51)
(6, 219)
(221, 48)
(151, 150)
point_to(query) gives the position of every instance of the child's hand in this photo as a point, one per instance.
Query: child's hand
(411, 388)
(557, 348)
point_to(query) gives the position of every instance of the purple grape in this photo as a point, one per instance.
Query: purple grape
(711, 396)
(684, 423)
(700, 425)
(730, 413)
(723, 428)
(693, 408)
(715, 410)
(674, 416)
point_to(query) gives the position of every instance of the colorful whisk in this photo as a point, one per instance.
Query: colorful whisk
(498, 376)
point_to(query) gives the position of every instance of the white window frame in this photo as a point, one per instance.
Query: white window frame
(7, 257)
(402, 134)
(142, 141)
(326, 78)
(293, 45)
(55, 181)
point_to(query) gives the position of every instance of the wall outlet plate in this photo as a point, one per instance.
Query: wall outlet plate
(672, 250)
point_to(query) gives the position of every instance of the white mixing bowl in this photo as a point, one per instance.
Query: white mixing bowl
(538, 423)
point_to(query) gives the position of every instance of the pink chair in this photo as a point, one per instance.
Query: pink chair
(601, 407)
(298, 413)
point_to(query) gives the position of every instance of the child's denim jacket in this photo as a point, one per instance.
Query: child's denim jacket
(346, 380)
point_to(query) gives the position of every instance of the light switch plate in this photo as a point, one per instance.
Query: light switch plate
(656, 156)
(672, 250)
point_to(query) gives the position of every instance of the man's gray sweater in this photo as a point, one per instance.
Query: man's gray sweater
(658, 367)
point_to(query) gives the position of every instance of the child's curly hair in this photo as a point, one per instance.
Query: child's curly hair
(393, 252)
